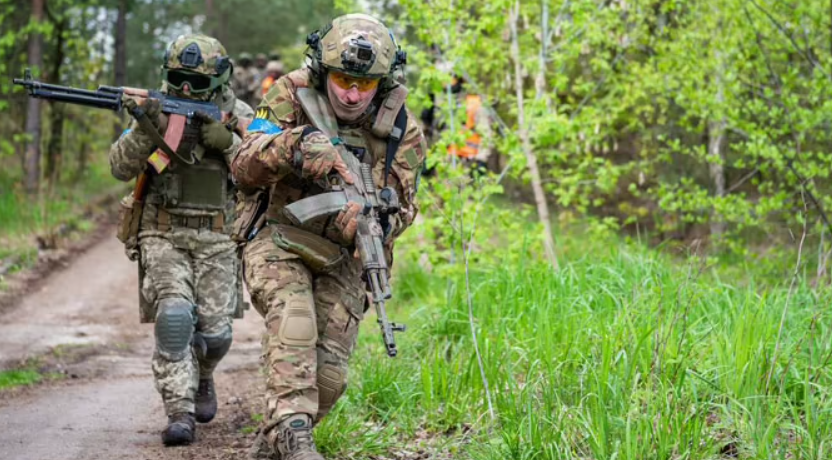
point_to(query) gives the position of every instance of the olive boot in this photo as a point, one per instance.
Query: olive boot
(206, 401)
(180, 429)
(294, 439)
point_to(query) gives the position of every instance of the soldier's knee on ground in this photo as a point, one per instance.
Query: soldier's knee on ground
(332, 383)
(174, 328)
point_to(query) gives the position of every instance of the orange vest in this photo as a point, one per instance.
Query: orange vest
(473, 102)
(267, 84)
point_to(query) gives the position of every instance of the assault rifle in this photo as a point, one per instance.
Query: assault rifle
(184, 115)
(376, 204)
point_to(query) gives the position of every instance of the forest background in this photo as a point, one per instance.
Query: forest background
(696, 127)
(677, 121)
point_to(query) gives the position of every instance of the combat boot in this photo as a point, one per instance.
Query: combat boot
(206, 401)
(294, 439)
(180, 429)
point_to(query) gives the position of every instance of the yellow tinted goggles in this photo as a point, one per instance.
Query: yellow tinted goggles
(345, 81)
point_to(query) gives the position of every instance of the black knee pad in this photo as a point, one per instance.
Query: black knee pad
(175, 322)
(217, 345)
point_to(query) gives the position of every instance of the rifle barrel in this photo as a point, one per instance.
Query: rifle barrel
(100, 99)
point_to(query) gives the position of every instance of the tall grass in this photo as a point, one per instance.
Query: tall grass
(622, 354)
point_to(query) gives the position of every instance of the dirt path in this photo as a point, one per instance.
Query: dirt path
(83, 323)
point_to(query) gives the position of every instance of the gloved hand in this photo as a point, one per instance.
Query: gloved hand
(320, 157)
(213, 134)
(152, 108)
(346, 222)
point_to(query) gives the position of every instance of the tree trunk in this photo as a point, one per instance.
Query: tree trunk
(716, 134)
(54, 149)
(120, 59)
(33, 121)
(531, 160)
(540, 79)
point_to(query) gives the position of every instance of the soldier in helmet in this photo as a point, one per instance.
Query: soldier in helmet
(189, 263)
(244, 78)
(303, 279)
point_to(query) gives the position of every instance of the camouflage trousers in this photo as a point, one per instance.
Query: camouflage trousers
(311, 328)
(200, 267)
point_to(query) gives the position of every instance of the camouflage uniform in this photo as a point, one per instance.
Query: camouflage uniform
(312, 313)
(187, 256)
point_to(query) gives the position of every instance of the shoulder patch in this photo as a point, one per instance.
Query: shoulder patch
(262, 125)
(263, 112)
(412, 158)
(125, 132)
(284, 109)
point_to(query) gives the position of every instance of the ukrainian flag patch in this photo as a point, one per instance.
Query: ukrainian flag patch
(261, 125)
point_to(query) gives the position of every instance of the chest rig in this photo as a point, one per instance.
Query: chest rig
(369, 142)
(199, 186)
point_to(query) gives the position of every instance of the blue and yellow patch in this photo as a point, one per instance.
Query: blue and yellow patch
(261, 123)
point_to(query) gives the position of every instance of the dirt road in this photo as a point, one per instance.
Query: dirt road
(82, 325)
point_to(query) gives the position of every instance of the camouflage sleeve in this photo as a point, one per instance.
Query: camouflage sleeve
(244, 114)
(406, 173)
(128, 155)
(267, 151)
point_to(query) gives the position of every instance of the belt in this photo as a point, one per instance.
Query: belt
(165, 221)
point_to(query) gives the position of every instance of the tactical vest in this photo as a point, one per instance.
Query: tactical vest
(192, 195)
(373, 141)
(193, 191)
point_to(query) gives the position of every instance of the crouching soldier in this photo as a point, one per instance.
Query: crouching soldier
(303, 278)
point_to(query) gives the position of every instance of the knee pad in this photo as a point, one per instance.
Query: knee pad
(216, 345)
(298, 327)
(174, 328)
(332, 382)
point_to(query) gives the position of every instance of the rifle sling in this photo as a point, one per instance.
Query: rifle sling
(394, 140)
(147, 126)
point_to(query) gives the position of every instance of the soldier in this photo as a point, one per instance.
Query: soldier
(478, 150)
(304, 280)
(258, 74)
(274, 70)
(244, 78)
(189, 263)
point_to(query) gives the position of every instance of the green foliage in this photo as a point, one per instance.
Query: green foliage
(634, 95)
(621, 354)
(16, 378)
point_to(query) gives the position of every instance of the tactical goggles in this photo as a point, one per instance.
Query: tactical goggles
(345, 81)
(197, 82)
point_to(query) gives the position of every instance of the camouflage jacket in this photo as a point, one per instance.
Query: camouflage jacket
(128, 158)
(260, 162)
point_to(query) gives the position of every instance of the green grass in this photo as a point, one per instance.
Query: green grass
(23, 216)
(19, 377)
(622, 354)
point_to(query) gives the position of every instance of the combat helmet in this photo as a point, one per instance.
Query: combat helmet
(358, 45)
(196, 64)
(244, 59)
